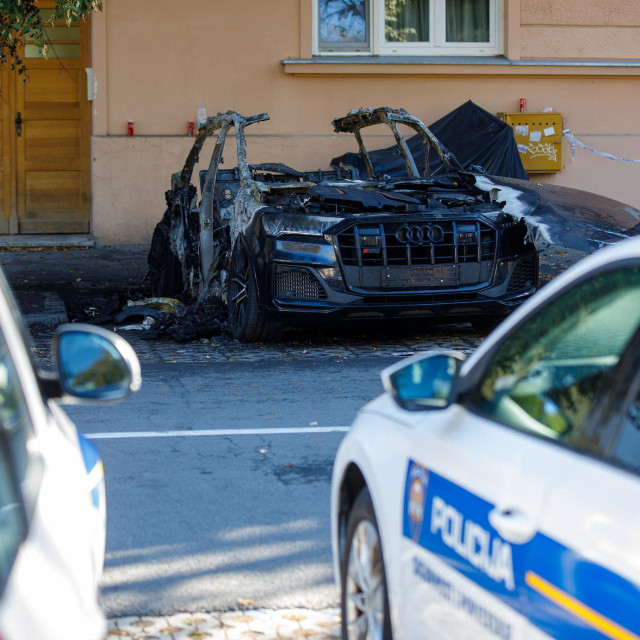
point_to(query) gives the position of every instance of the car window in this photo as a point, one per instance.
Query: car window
(627, 447)
(15, 433)
(13, 525)
(15, 420)
(545, 376)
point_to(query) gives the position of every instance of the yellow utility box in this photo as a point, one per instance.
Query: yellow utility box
(539, 140)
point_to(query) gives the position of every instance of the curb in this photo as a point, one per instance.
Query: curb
(48, 241)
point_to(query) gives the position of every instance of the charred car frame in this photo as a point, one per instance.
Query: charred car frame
(281, 246)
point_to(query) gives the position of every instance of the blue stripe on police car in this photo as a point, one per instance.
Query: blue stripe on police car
(562, 593)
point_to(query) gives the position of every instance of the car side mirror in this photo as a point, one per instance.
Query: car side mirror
(425, 381)
(94, 364)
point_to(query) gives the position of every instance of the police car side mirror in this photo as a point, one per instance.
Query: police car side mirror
(425, 381)
(93, 365)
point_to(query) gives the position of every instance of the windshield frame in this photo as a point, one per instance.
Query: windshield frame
(358, 119)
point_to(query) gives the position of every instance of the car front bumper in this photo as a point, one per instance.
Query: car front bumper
(298, 293)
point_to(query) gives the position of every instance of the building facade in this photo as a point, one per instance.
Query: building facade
(74, 169)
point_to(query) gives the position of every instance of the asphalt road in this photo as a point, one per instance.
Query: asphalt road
(195, 523)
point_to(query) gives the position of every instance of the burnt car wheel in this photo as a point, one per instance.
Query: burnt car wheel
(365, 600)
(165, 270)
(246, 322)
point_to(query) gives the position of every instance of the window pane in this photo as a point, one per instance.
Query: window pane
(15, 428)
(62, 34)
(343, 21)
(406, 20)
(59, 33)
(546, 376)
(468, 21)
(47, 14)
(14, 418)
(12, 524)
(627, 448)
(54, 51)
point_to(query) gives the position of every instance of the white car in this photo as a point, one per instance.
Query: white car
(52, 505)
(498, 497)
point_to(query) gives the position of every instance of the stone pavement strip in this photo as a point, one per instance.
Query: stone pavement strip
(247, 624)
(224, 349)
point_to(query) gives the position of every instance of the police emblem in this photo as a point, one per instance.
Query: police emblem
(418, 478)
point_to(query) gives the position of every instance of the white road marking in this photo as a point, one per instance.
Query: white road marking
(211, 432)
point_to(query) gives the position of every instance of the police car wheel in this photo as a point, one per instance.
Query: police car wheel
(365, 601)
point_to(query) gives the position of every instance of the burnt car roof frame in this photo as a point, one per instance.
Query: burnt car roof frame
(222, 122)
(358, 119)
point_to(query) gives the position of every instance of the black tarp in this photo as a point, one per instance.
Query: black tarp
(473, 135)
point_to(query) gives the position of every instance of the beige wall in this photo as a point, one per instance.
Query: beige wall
(580, 29)
(155, 65)
(165, 58)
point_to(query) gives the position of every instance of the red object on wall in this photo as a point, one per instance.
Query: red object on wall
(130, 128)
(191, 126)
(523, 105)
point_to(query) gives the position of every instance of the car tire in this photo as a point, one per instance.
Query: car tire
(365, 607)
(246, 322)
(165, 270)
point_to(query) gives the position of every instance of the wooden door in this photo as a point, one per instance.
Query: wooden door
(8, 217)
(52, 150)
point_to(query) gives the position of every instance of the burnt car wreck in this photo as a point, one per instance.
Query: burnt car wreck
(280, 246)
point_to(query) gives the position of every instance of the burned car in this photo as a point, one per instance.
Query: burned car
(281, 246)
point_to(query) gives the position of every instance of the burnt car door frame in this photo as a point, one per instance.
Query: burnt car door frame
(209, 222)
(358, 119)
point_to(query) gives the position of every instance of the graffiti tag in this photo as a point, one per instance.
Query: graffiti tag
(542, 149)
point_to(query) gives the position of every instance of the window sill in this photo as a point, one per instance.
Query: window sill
(453, 66)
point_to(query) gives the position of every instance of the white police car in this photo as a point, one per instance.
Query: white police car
(52, 505)
(499, 497)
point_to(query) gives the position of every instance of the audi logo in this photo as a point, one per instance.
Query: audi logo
(420, 234)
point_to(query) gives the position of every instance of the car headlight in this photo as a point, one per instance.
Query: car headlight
(278, 224)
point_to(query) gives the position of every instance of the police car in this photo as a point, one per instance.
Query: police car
(498, 497)
(52, 497)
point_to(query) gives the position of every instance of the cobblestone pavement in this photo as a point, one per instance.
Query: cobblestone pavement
(246, 624)
(222, 348)
(78, 278)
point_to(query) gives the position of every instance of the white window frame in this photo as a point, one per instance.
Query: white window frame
(437, 45)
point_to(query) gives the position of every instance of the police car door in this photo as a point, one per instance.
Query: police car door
(480, 476)
(584, 578)
(459, 578)
(552, 379)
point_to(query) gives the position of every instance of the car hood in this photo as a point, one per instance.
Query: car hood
(563, 216)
